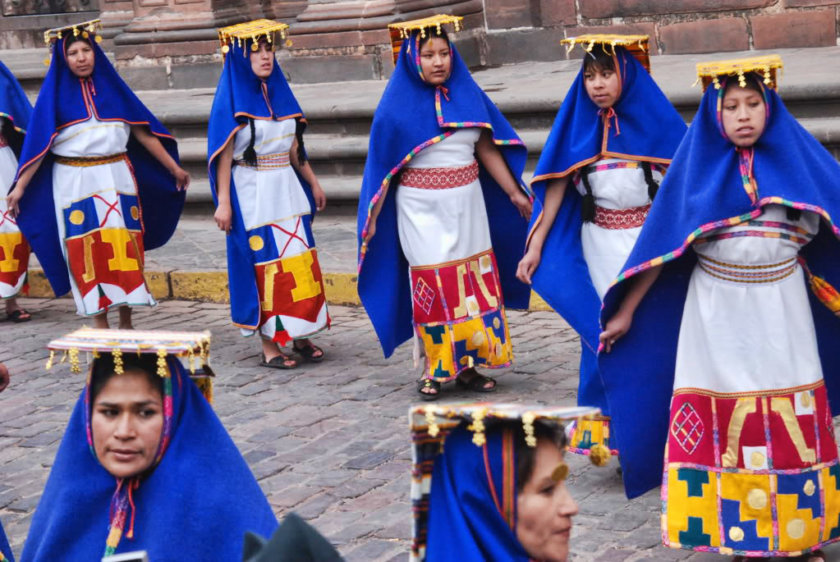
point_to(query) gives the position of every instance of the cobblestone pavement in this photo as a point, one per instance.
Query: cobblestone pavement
(328, 441)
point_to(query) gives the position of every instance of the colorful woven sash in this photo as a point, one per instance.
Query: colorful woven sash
(440, 178)
(765, 273)
(620, 219)
(267, 161)
(84, 162)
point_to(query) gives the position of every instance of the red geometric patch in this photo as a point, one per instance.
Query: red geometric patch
(424, 296)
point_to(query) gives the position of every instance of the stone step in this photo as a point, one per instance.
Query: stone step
(343, 187)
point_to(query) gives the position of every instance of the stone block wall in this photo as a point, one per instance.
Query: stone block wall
(172, 43)
(687, 26)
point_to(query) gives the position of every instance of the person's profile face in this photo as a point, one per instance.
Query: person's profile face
(80, 58)
(126, 423)
(545, 508)
(744, 115)
(436, 60)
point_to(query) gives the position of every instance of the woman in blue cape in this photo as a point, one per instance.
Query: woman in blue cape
(440, 214)
(5, 549)
(488, 483)
(266, 195)
(145, 464)
(99, 180)
(613, 137)
(15, 111)
(730, 370)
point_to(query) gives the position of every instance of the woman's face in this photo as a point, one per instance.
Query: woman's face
(127, 422)
(602, 86)
(80, 58)
(545, 508)
(436, 60)
(262, 60)
(744, 115)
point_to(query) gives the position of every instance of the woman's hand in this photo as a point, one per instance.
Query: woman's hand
(528, 265)
(616, 327)
(224, 217)
(522, 203)
(182, 178)
(13, 199)
(319, 196)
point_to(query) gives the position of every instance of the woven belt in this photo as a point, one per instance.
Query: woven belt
(439, 178)
(84, 162)
(620, 219)
(767, 273)
(267, 161)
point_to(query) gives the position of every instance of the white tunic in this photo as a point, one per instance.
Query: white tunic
(744, 337)
(440, 225)
(268, 195)
(606, 250)
(93, 138)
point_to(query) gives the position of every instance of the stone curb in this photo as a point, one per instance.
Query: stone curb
(212, 286)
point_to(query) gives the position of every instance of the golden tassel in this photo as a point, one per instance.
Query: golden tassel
(599, 455)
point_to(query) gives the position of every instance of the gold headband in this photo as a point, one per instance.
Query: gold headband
(636, 45)
(769, 67)
(402, 30)
(254, 31)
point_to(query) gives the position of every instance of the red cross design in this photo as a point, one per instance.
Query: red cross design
(291, 235)
(111, 207)
(5, 216)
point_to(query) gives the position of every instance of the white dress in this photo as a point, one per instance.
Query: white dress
(99, 206)
(276, 215)
(616, 185)
(751, 461)
(444, 232)
(14, 251)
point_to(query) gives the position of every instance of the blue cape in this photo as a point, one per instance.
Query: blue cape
(196, 504)
(5, 549)
(411, 116)
(60, 104)
(651, 130)
(14, 106)
(464, 522)
(702, 191)
(240, 96)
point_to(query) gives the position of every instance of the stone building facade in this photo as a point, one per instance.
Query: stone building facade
(172, 43)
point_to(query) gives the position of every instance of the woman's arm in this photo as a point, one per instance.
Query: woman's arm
(224, 212)
(620, 323)
(374, 213)
(555, 189)
(23, 180)
(305, 170)
(489, 155)
(155, 148)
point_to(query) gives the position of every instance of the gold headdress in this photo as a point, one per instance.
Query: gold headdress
(636, 45)
(194, 346)
(400, 31)
(86, 29)
(769, 67)
(253, 31)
